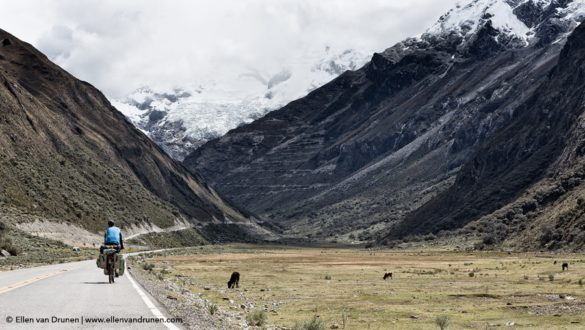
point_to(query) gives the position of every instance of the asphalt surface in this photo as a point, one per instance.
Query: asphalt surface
(75, 296)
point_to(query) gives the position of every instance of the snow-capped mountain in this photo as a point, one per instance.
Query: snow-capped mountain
(182, 119)
(398, 146)
(480, 28)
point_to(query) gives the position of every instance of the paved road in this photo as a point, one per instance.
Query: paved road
(78, 291)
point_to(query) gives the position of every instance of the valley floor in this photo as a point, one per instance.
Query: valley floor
(345, 289)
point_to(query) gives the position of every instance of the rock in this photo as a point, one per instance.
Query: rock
(334, 326)
(4, 253)
(225, 298)
(242, 306)
(207, 288)
(510, 324)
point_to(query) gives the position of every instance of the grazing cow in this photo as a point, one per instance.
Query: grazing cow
(387, 275)
(565, 266)
(554, 263)
(234, 281)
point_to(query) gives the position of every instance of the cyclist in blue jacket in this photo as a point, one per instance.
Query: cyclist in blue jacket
(113, 236)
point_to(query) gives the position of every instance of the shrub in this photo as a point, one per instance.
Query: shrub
(313, 324)
(6, 244)
(256, 318)
(212, 309)
(580, 282)
(148, 266)
(442, 322)
(551, 277)
(344, 318)
(328, 277)
(471, 274)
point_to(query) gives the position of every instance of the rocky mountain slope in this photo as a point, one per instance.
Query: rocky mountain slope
(180, 120)
(67, 155)
(533, 167)
(361, 154)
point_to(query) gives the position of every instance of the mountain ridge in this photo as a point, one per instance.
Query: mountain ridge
(69, 155)
(409, 119)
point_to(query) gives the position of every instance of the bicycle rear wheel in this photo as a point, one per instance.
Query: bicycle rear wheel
(111, 269)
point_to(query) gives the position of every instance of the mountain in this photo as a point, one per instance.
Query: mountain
(533, 167)
(370, 153)
(68, 156)
(182, 119)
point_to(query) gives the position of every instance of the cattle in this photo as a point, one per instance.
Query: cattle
(565, 266)
(234, 281)
(387, 275)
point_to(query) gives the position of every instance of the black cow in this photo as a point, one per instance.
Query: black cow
(234, 281)
(387, 275)
(565, 266)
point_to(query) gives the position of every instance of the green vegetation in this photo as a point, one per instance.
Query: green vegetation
(315, 323)
(29, 250)
(256, 318)
(442, 322)
(147, 266)
(212, 309)
(429, 289)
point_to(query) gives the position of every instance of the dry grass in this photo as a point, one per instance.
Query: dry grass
(291, 285)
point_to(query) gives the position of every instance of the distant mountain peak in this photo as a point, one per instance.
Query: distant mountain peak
(481, 28)
(182, 119)
(467, 19)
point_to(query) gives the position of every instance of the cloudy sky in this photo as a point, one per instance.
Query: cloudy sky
(121, 45)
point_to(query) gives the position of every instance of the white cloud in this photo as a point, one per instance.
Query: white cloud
(121, 45)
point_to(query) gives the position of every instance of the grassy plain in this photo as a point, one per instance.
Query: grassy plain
(485, 290)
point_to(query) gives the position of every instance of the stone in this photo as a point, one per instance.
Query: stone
(5, 253)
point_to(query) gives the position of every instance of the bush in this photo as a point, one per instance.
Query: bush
(551, 277)
(148, 266)
(6, 244)
(256, 318)
(313, 324)
(212, 309)
(471, 274)
(328, 277)
(442, 322)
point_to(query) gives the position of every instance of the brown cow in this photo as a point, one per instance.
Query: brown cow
(387, 275)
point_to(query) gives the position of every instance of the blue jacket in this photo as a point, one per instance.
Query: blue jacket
(113, 236)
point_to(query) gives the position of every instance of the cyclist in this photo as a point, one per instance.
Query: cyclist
(113, 236)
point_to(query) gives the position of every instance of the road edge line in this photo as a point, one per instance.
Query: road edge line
(151, 306)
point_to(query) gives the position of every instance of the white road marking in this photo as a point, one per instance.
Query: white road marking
(155, 311)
